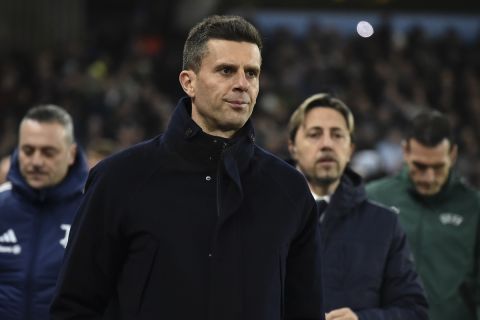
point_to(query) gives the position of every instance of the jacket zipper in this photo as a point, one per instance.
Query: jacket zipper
(218, 186)
(213, 239)
(426, 211)
(31, 264)
(219, 165)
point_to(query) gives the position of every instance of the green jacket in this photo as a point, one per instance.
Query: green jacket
(443, 232)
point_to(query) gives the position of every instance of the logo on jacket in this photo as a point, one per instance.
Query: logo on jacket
(451, 218)
(395, 209)
(9, 243)
(64, 240)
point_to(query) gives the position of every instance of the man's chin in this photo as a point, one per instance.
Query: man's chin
(36, 184)
(427, 192)
(326, 180)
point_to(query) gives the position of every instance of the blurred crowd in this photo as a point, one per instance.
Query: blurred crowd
(120, 95)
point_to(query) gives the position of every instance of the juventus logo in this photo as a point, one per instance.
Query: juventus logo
(66, 228)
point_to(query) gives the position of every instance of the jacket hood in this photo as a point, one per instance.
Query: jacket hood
(71, 185)
(349, 193)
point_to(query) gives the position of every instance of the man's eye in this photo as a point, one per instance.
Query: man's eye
(226, 70)
(27, 151)
(252, 74)
(421, 167)
(49, 153)
(438, 167)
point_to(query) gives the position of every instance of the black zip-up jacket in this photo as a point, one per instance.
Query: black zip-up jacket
(366, 260)
(190, 226)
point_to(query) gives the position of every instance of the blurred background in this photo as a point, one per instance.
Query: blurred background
(114, 66)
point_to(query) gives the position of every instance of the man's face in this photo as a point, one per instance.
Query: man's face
(225, 89)
(322, 146)
(429, 167)
(44, 153)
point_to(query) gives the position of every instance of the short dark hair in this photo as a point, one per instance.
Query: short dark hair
(232, 28)
(320, 100)
(52, 113)
(430, 127)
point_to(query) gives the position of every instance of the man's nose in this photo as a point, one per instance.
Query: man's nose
(325, 141)
(241, 81)
(37, 159)
(429, 174)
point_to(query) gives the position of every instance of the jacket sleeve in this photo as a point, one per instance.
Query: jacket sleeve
(304, 290)
(469, 289)
(92, 258)
(402, 293)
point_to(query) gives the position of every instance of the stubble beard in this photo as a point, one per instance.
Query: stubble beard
(428, 191)
(324, 179)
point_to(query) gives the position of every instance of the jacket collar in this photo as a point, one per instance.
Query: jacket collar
(198, 152)
(70, 186)
(349, 193)
(452, 180)
(186, 138)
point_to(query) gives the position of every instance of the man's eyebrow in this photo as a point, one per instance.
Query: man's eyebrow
(235, 67)
(338, 129)
(225, 65)
(320, 127)
(426, 165)
(314, 127)
(46, 148)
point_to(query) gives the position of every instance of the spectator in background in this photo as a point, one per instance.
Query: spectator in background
(98, 150)
(387, 77)
(367, 269)
(441, 216)
(37, 207)
(198, 223)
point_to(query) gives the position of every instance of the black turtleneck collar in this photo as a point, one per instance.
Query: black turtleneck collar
(185, 137)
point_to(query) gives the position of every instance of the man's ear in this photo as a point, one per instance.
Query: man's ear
(187, 80)
(352, 149)
(404, 146)
(405, 149)
(454, 154)
(72, 153)
(292, 149)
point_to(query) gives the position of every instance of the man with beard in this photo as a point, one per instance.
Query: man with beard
(441, 216)
(367, 269)
(37, 206)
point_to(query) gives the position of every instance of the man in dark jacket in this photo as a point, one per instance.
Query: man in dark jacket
(198, 223)
(37, 207)
(366, 262)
